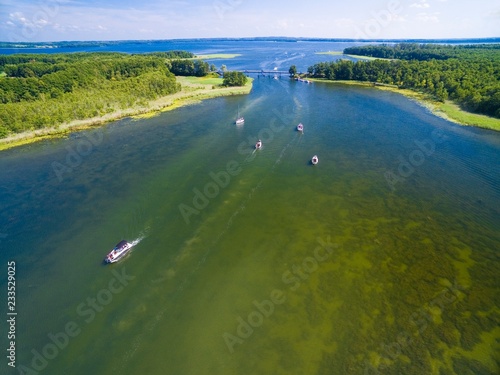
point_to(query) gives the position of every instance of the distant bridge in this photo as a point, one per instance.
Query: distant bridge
(261, 71)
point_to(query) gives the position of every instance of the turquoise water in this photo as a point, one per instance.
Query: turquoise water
(383, 258)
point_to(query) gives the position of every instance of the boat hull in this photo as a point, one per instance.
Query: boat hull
(118, 252)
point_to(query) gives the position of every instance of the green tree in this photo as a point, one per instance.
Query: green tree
(234, 79)
(47, 90)
(468, 75)
(292, 71)
(344, 70)
(201, 68)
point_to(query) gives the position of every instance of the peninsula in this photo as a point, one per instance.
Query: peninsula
(460, 83)
(44, 96)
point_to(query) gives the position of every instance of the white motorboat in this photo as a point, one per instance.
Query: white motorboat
(239, 120)
(300, 127)
(315, 160)
(119, 251)
(258, 145)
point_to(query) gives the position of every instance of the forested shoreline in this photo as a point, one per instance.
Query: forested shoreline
(46, 90)
(39, 91)
(469, 75)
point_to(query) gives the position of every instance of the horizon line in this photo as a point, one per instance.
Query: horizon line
(263, 38)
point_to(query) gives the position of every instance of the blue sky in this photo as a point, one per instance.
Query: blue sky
(55, 20)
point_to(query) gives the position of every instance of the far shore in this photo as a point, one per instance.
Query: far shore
(447, 110)
(194, 89)
(359, 57)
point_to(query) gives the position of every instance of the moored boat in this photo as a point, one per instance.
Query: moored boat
(119, 251)
(315, 159)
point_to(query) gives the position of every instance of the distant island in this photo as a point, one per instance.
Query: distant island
(457, 79)
(45, 95)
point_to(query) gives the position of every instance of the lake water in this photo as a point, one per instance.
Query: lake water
(254, 54)
(383, 258)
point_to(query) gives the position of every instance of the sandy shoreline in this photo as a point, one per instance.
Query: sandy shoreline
(193, 91)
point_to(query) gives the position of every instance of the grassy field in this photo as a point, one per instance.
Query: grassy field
(335, 53)
(219, 56)
(466, 118)
(194, 89)
(447, 110)
(208, 80)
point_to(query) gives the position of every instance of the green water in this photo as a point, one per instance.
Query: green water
(333, 268)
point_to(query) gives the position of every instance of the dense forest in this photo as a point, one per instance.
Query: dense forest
(43, 90)
(425, 52)
(467, 74)
(186, 67)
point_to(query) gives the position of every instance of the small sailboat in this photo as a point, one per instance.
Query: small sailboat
(315, 160)
(239, 120)
(258, 145)
(300, 127)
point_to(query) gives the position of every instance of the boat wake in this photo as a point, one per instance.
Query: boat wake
(142, 235)
(137, 240)
(295, 143)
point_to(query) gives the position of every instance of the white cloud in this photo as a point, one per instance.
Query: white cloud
(399, 18)
(30, 20)
(66, 28)
(428, 17)
(422, 4)
(41, 22)
(18, 18)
